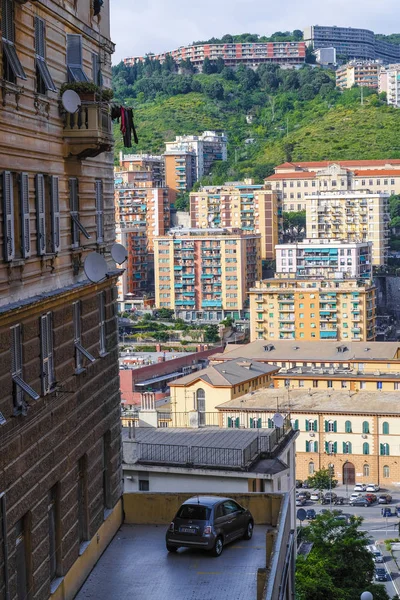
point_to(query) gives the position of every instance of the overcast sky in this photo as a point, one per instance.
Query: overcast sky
(142, 26)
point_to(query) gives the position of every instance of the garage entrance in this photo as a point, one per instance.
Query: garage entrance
(349, 474)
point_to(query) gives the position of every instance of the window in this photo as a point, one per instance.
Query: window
(99, 210)
(22, 554)
(386, 471)
(144, 485)
(311, 468)
(97, 78)
(12, 67)
(20, 387)
(365, 448)
(329, 383)
(74, 58)
(344, 384)
(363, 385)
(384, 450)
(347, 426)
(331, 447)
(315, 383)
(76, 225)
(54, 523)
(201, 406)
(379, 385)
(16, 219)
(44, 81)
(385, 428)
(366, 470)
(102, 323)
(365, 427)
(346, 447)
(80, 351)
(330, 426)
(47, 215)
(83, 520)
(47, 357)
(311, 446)
(311, 425)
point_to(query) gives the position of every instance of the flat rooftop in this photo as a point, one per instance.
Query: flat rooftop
(137, 566)
(229, 373)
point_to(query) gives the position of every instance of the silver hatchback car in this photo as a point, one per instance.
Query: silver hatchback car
(209, 522)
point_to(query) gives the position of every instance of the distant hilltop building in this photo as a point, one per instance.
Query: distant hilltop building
(389, 82)
(363, 73)
(351, 43)
(233, 55)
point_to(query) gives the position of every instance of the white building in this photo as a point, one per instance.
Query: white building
(389, 82)
(208, 147)
(326, 56)
(324, 258)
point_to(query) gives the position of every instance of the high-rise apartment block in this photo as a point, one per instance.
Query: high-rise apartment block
(248, 54)
(293, 309)
(205, 274)
(180, 170)
(252, 208)
(351, 216)
(60, 436)
(142, 167)
(351, 42)
(363, 73)
(296, 181)
(207, 147)
(324, 259)
(389, 82)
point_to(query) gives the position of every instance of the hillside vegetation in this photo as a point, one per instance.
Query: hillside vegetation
(270, 115)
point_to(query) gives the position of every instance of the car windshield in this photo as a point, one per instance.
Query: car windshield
(196, 512)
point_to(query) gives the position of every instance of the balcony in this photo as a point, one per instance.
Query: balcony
(88, 132)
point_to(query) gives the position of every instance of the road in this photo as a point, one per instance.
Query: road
(378, 528)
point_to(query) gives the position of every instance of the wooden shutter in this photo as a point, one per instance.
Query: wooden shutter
(16, 351)
(74, 208)
(335, 447)
(259, 423)
(251, 422)
(25, 216)
(315, 446)
(74, 58)
(40, 215)
(8, 214)
(55, 214)
(307, 425)
(296, 424)
(102, 323)
(99, 210)
(335, 426)
(237, 422)
(46, 341)
(39, 37)
(315, 425)
(229, 421)
(326, 425)
(327, 447)
(7, 21)
(307, 446)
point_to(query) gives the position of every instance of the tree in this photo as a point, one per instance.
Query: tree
(208, 67)
(311, 59)
(182, 202)
(211, 334)
(165, 313)
(161, 336)
(339, 565)
(294, 225)
(322, 480)
(288, 148)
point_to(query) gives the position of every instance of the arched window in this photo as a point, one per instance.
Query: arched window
(366, 470)
(331, 425)
(385, 428)
(311, 468)
(365, 448)
(347, 426)
(201, 406)
(346, 447)
(385, 450)
(365, 427)
(386, 471)
(331, 447)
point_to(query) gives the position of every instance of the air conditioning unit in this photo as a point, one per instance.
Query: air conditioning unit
(312, 434)
(364, 436)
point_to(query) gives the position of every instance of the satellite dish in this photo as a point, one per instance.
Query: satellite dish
(301, 514)
(95, 267)
(70, 101)
(278, 420)
(119, 253)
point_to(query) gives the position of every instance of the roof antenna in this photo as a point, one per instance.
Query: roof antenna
(198, 499)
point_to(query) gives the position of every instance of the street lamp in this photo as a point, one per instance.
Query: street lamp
(366, 596)
(346, 476)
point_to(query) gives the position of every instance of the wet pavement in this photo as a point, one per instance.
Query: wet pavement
(137, 566)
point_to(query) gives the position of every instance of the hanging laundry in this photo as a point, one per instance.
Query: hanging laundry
(127, 126)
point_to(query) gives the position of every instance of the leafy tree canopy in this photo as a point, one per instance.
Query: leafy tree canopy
(322, 480)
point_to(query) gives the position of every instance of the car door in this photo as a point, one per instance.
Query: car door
(222, 522)
(236, 522)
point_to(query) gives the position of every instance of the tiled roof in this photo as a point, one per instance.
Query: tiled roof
(378, 173)
(226, 374)
(296, 175)
(343, 163)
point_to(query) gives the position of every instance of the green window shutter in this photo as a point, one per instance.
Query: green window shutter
(237, 422)
(348, 427)
(381, 449)
(326, 447)
(315, 446)
(335, 448)
(326, 426)
(259, 423)
(344, 448)
(335, 426)
(365, 448)
(365, 427)
(387, 450)
(315, 425)
(307, 446)
(349, 451)
(385, 428)
(251, 422)
(296, 424)
(229, 422)
(307, 425)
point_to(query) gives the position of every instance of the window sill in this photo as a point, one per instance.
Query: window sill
(55, 584)
(17, 262)
(83, 547)
(103, 354)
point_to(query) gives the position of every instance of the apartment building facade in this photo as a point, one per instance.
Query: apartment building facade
(206, 273)
(180, 170)
(362, 73)
(252, 208)
(389, 82)
(295, 182)
(234, 54)
(351, 42)
(60, 465)
(295, 309)
(324, 259)
(353, 216)
(207, 147)
(145, 167)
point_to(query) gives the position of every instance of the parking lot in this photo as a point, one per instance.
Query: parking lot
(137, 566)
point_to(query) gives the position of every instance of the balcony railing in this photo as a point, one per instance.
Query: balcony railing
(88, 132)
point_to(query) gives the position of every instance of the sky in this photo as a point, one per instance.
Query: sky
(142, 26)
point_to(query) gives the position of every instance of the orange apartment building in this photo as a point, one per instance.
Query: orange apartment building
(180, 170)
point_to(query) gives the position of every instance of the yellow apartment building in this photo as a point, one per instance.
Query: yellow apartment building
(206, 273)
(357, 433)
(180, 170)
(362, 73)
(294, 309)
(351, 216)
(296, 182)
(253, 208)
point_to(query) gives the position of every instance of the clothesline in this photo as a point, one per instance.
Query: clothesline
(127, 125)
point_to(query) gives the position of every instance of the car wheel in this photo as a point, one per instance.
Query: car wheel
(172, 548)
(218, 546)
(249, 531)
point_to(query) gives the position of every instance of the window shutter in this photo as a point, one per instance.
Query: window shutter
(25, 216)
(74, 209)
(296, 424)
(326, 426)
(40, 215)
(327, 447)
(7, 20)
(46, 340)
(387, 452)
(16, 353)
(8, 213)
(96, 69)
(251, 422)
(344, 448)
(55, 214)
(335, 426)
(99, 210)
(315, 446)
(381, 449)
(237, 422)
(229, 422)
(39, 37)
(315, 425)
(74, 58)
(102, 322)
(259, 424)
(307, 425)
(307, 446)
(335, 447)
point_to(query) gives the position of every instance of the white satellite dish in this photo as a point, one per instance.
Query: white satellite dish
(95, 267)
(119, 253)
(70, 101)
(278, 420)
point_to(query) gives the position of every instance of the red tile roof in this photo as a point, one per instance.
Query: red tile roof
(343, 163)
(296, 175)
(378, 173)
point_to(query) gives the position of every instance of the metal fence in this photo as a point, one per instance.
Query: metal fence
(196, 455)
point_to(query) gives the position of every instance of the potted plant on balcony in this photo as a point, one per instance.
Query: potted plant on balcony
(88, 91)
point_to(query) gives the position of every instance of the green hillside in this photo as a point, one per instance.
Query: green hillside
(270, 115)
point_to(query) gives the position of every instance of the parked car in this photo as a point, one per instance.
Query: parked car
(304, 494)
(372, 487)
(300, 501)
(299, 483)
(384, 499)
(376, 555)
(397, 509)
(356, 495)
(372, 498)
(311, 514)
(360, 487)
(209, 522)
(387, 512)
(339, 500)
(360, 501)
(306, 484)
(315, 496)
(330, 495)
(380, 574)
